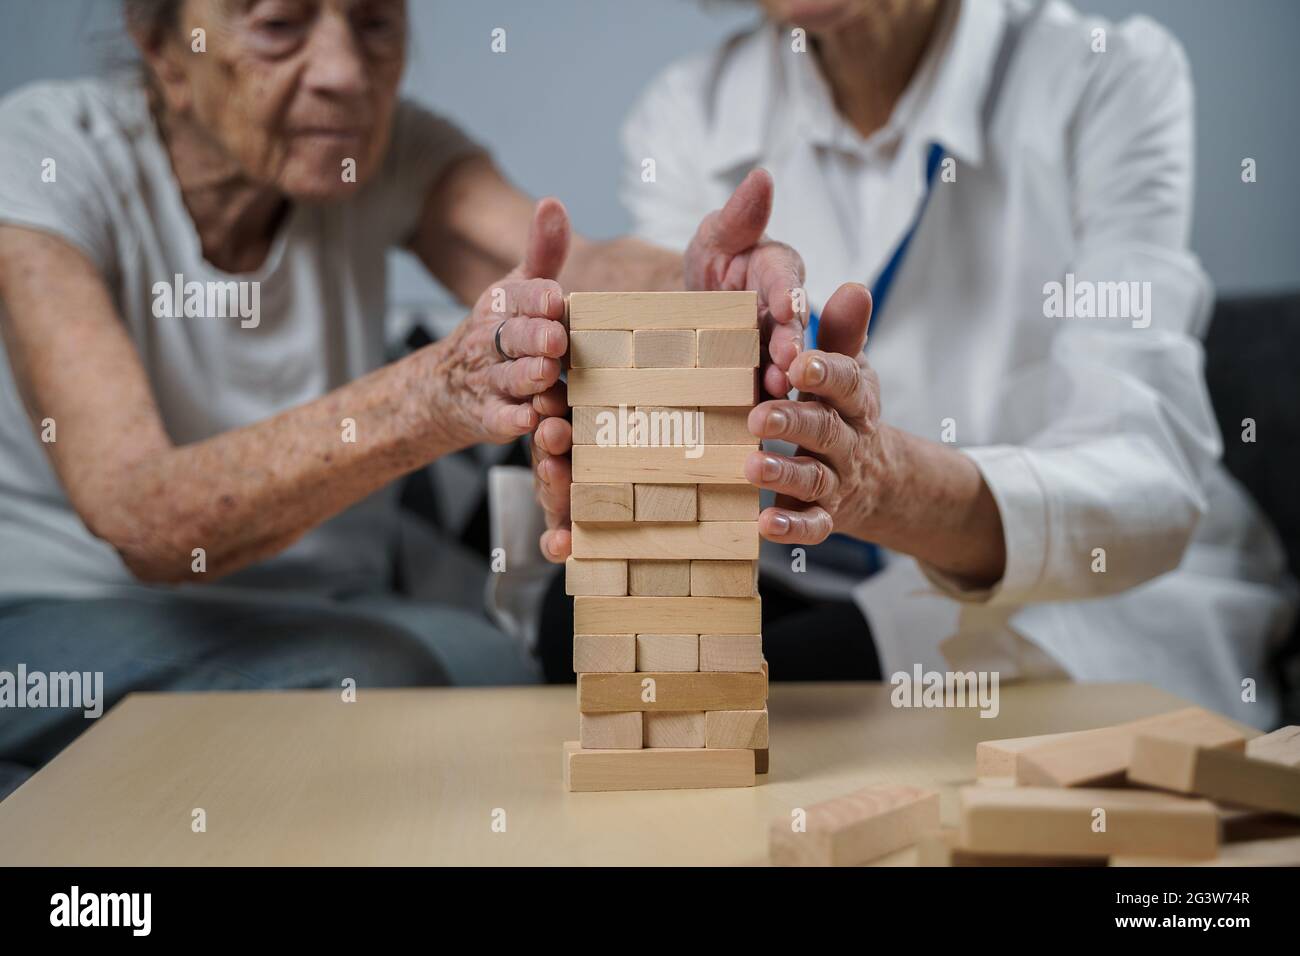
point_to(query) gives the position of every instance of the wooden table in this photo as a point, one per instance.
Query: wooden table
(419, 776)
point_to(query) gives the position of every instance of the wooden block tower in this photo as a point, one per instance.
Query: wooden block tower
(667, 639)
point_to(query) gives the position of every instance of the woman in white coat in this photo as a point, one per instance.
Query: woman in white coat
(1013, 183)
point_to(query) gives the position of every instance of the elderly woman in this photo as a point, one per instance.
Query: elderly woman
(1041, 473)
(192, 273)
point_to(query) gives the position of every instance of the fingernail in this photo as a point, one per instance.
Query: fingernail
(780, 524)
(816, 371)
(771, 468)
(523, 416)
(777, 422)
(546, 303)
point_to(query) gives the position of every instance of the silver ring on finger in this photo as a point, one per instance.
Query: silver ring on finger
(496, 338)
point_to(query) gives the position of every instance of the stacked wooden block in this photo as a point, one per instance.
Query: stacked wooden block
(667, 646)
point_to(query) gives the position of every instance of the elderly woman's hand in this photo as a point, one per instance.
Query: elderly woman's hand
(845, 462)
(501, 366)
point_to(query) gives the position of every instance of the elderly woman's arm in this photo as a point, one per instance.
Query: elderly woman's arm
(248, 493)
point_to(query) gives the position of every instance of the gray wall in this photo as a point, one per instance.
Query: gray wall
(550, 107)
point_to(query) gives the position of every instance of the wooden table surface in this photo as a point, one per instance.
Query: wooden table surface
(419, 776)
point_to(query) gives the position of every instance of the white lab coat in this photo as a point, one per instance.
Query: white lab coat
(1095, 435)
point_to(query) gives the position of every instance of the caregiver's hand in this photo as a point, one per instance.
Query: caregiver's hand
(493, 397)
(730, 252)
(853, 474)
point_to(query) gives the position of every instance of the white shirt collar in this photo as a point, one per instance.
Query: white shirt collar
(774, 91)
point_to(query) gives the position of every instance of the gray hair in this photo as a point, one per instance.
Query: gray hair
(152, 19)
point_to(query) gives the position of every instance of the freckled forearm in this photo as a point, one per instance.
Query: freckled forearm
(246, 494)
(939, 510)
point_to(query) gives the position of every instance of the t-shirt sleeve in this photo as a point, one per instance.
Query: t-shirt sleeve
(53, 176)
(422, 148)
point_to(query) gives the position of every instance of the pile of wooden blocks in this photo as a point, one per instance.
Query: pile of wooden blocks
(1186, 788)
(667, 638)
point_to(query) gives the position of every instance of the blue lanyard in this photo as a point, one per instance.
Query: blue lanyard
(840, 551)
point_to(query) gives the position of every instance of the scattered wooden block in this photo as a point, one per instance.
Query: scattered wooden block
(727, 502)
(604, 653)
(610, 731)
(761, 760)
(601, 578)
(586, 422)
(944, 849)
(664, 348)
(663, 310)
(664, 502)
(662, 386)
(855, 828)
(666, 615)
(601, 501)
(600, 349)
(997, 758)
(728, 426)
(686, 768)
(668, 653)
(1185, 767)
(734, 540)
(724, 578)
(1099, 758)
(1237, 825)
(1282, 852)
(715, 464)
(1055, 821)
(728, 348)
(1281, 746)
(727, 729)
(659, 578)
(675, 729)
(731, 652)
(660, 691)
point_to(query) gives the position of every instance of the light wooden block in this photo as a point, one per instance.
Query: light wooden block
(720, 540)
(668, 653)
(664, 348)
(855, 828)
(1099, 758)
(944, 849)
(659, 578)
(686, 768)
(601, 693)
(664, 502)
(1281, 746)
(663, 310)
(727, 348)
(728, 729)
(611, 731)
(666, 426)
(728, 426)
(1184, 767)
(997, 758)
(1281, 852)
(1056, 821)
(662, 386)
(675, 729)
(727, 502)
(666, 615)
(600, 349)
(724, 578)
(601, 578)
(1237, 825)
(586, 422)
(604, 653)
(731, 652)
(715, 464)
(601, 501)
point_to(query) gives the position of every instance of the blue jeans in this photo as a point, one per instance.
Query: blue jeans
(152, 640)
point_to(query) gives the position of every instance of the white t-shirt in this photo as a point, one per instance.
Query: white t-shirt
(82, 160)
